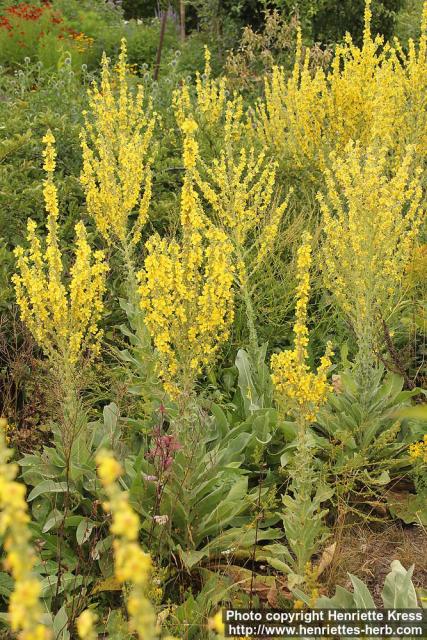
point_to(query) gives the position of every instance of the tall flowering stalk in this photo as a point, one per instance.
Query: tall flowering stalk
(63, 317)
(238, 188)
(132, 565)
(300, 391)
(186, 290)
(210, 99)
(25, 607)
(290, 120)
(116, 144)
(371, 220)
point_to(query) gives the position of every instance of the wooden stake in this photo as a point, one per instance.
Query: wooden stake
(182, 19)
(161, 40)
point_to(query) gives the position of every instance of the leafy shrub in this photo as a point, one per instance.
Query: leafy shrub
(328, 21)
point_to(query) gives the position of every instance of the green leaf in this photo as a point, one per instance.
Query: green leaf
(6, 584)
(47, 486)
(220, 419)
(398, 591)
(84, 530)
(417, 412)
(361, 596)
(279, 565)
(409, 508)
(111, 415)
(190, 558)
(342, 599)
(60, 623)
(246, 383)
(55, 518)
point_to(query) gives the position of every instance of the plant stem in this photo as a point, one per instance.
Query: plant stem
(247, 299)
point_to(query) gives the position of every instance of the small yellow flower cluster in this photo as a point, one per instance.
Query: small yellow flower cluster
(371, 221)
(131, 68)
(418, 450)
(64, 320)
(416, 269)
(25, 610)
(85, 625)
(374, 93)
(116, 156)
(210, 97)
(216, 623)
(131, 563)
(300, 391)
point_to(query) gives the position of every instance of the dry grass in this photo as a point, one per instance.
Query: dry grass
(366, 550)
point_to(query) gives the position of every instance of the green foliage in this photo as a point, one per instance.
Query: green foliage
(139, 8)
(408, 20)
(362, 433)
(327, 21)
(67, 514)
(107, 13)
(205, 498)
(332, 21)
(303, 516)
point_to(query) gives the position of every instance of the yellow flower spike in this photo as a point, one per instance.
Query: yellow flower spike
(116, 144)
(373, 93)
(62, 315)
(49, 152)
(300, 391)
(371, 219)
(238, 187)
(132, 564)
(186, 294)
(25, 609)
(186, 288)
(210, 99)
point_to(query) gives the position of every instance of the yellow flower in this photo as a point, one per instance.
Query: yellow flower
(25, 610)
(63, 318)
(418, 450)
(217, 624)
(108, 467)
(300, 391)
(132, 565)
(85, 624)
(117, 156)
